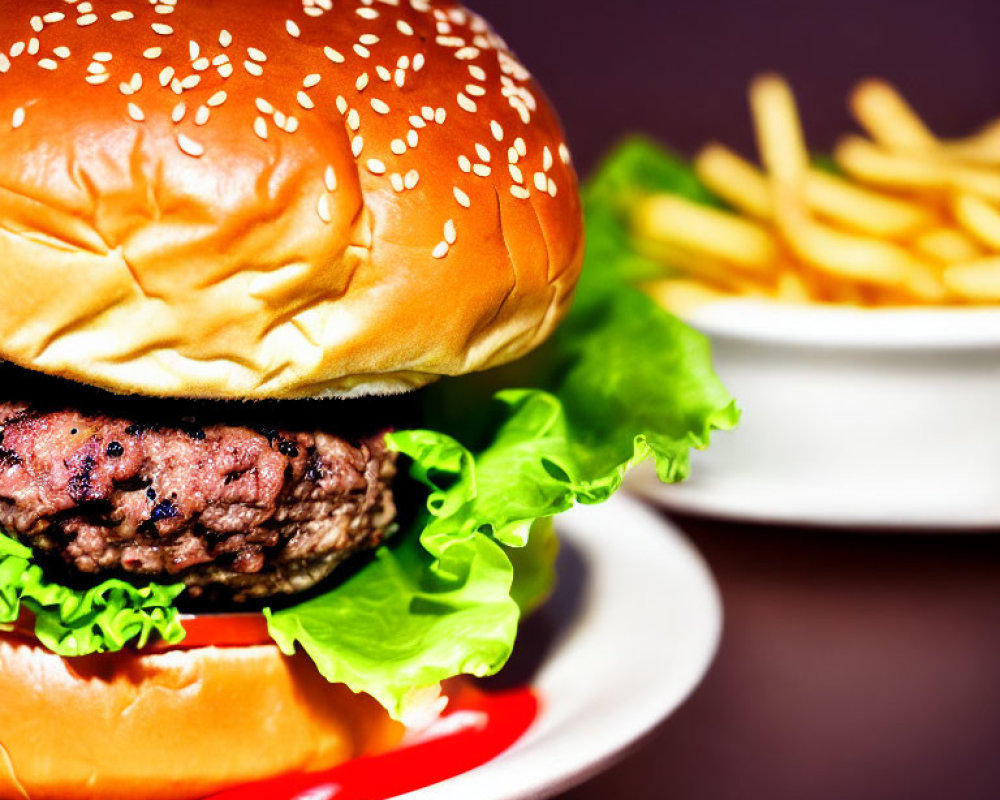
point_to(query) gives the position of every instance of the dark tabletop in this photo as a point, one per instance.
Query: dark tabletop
(853, 665)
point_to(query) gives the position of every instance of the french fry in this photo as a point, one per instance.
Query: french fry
(982, 147)
(683, 294)
(779, 132)
(979, 218)
(947, 245)
(862, 209)
(744, 186)
(978, 281)
(889, 119)
(717, 234)
(735, 180)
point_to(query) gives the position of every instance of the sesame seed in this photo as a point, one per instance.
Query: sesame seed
(404, 27)
(467, 104)
(96, 80)
(475, 89)
(520, 192)
(341, 104)
(467, 53)
(333, 55)
(375, 167)
(411, 179)
(323, 208)
(33, 46)
(441, 250)
(353, 119)
(497, 130)
(450, 41)
(86, 19)
(4, 63)
(190, 146)
(357, 145)
(253, 68)
(483, 153)
(380, 106)
(367, 13)
(292, 124)
(462, 198)
(361, 50)
(428, 113)
(256, 54)
(152, 52)
(292, 28)
(96, 69)
(48, 63)
(564, 153)
(225, 70)
(477, 72)
(161, 28)
(412, 138)
(58, 16)
(311, 80)
(201, 115)
(263, 106)
(330, 179)
(225, 38)
(541, 181)
(552, 188)
(16, 49)
(520, 147)
(36, 24)
(260, 127)
(482, 170)
(397, 182)
(440, 116)
(464, 164)
(135, 112)
(515, 173)
(418, 62)
(368, 39)
(547, 160)
(62, 51)
(85, 8)
(398, 146)
(103, 56)
(450, 233)
(383, 73)
(125, 89)
(190, 81)
(122, 16)
(418, 122)
(194, 50)
(217, 99)
(361, 82)
(177, 114)
(280, 119)
(201, 64)
(176, 87)
(163, 8)
(17, 120)
(222, 58)
(400, 77)
(305, 100)
(312, 11)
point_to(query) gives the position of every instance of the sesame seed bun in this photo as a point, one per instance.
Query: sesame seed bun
(275, 198)
(172, 726)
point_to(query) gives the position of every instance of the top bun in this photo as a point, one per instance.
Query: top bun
(275, 198)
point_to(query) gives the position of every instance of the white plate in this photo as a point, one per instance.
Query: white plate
(877, 418)
(637, 623)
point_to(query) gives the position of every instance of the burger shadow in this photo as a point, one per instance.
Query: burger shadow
(542, 630)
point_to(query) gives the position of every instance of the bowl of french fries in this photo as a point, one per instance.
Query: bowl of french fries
(853, 306)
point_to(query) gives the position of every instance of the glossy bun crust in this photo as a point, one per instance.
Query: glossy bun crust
(274, 198)
(177, 725)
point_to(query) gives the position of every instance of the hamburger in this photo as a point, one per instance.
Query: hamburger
(248, 251)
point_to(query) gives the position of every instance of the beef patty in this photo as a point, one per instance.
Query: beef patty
(254, 510)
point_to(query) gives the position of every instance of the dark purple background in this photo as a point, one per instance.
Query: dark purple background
(853, 666)
(680, 69)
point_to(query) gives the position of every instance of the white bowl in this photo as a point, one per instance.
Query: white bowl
(851, 416)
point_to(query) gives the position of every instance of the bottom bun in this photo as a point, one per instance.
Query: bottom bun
(178, 724)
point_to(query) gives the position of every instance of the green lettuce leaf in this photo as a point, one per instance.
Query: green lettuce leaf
(621, 381)
(75, 622)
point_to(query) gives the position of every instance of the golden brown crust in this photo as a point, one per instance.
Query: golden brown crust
(323, 216)
(173, 725)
